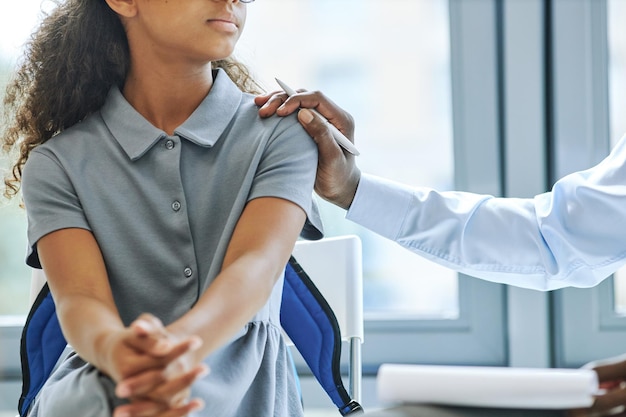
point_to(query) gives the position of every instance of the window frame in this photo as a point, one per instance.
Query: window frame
(491, 130)
(586, 325)
(478, 335)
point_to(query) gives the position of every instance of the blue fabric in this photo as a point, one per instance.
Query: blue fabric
(42, 345)
(305, 315)
(312, 327)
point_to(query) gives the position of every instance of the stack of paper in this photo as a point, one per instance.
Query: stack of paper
(479, 386)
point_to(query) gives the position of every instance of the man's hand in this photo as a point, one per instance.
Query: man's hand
(611, 401)
(337, 174)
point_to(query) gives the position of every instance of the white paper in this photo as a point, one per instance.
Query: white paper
(481, 386)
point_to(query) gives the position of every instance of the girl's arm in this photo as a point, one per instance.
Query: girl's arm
(256, 256)
(78, 280)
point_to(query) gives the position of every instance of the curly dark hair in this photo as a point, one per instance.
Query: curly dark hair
(71, 61)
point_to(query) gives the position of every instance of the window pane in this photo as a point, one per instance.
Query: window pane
(617, 93)
(385, 62)
(16, 21)
(388, 64)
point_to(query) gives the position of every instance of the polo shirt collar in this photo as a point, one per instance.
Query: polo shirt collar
(136, 135)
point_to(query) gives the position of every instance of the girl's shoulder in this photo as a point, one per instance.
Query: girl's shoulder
(77, 139)
(250, 111)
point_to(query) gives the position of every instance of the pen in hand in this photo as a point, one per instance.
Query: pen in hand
(341, 139)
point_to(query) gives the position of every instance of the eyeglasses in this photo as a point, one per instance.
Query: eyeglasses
(246, 1)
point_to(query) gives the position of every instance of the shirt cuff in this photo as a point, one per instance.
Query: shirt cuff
(380, 205)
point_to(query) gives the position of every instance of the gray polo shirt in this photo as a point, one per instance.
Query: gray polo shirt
(163, 209)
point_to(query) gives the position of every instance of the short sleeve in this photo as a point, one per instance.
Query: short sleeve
(50, 199)
(287, 170)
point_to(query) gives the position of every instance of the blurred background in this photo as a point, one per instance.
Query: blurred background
(491, 96)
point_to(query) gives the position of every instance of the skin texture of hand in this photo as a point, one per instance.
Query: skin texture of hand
(155, 371)
(612, 400)
(337, 174)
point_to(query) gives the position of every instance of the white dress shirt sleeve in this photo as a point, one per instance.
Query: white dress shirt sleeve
(574, 235)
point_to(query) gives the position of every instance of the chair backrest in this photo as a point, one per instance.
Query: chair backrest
(334, 265)
(42, 344)
(331, 266)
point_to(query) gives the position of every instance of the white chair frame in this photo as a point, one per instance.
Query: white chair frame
(335, 266)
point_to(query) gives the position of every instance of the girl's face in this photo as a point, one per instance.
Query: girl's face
(195, 30)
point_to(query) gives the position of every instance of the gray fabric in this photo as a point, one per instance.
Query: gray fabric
(163, 210)
(91, 392)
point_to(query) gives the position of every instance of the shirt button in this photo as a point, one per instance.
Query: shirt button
(169, 144)
(176, 205)
(188, 272)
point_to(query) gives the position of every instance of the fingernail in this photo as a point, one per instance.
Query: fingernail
(305, 115)
(123, 391)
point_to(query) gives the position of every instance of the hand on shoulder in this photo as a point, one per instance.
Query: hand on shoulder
(337, 173)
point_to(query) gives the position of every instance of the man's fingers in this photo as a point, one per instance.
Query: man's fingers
(270, 103)
(261, 99)
(319, 130)
(615, 371)
(323, 105)
(612, 399)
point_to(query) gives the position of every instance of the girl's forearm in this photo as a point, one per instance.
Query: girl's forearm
(235, 296)
(87, 323)
(78, 280)
(256, 257)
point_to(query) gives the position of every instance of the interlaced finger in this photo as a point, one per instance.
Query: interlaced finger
(193, 405)
(139, 364)
(150, 336)
(148, 408)
(173, 390)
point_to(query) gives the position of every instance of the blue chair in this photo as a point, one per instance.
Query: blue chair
(332, 267)
(306, 317)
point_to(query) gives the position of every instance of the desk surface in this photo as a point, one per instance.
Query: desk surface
(435, 411)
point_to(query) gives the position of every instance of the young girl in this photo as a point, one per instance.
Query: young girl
(161, 207)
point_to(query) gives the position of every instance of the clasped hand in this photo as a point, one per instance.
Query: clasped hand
(153, 369)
